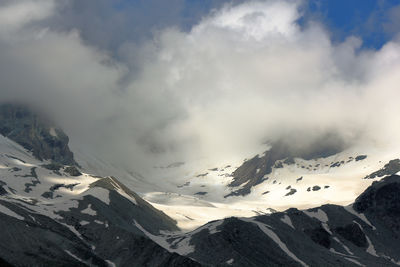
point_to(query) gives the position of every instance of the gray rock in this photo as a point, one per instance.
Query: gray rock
(72, 170)
(33, 132)
(253, 171)
(361, 157)
(392, 167)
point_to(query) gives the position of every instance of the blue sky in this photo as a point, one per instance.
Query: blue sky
(372, 20)
(109, 24)
(369, 19)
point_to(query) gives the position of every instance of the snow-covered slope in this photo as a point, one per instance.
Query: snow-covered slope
(57, 215)
(195, 193)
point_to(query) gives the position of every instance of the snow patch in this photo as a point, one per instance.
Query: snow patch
(213, 227)
(265, 228)
(354, 261)
(74, 256)
(351, 210)
(52, 132)
(99, 193)
(9, 212)
(343, 245)
(183, 246)
(286, 219)
(370, 249)
(110, 263)
(89, 210)
(321, 216)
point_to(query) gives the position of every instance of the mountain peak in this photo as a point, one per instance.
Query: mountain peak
(35, 133)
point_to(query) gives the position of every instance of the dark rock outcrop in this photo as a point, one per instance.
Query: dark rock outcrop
(381, 201)
(361, 157)
(72, 170)
(35, 134)
(253, 171)
(392, 167)
(353, 233)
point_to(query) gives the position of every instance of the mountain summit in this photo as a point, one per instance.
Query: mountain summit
(36, 134)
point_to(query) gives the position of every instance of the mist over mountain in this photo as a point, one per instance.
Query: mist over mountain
(199, 133)
(241, 75)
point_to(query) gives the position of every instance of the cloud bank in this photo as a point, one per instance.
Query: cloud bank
(243, 74)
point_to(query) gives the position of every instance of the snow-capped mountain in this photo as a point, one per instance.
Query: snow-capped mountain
(276, 179)
(58, 215)
(365, 233)
(60, 210)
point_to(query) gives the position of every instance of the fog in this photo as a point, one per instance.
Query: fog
(241, 75)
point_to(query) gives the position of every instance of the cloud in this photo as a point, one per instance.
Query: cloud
(110, 24)
(391, 26)
(243, 74)
(14, 15)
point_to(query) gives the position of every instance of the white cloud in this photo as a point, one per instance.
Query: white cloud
(244, 74)
(255, 20)
(17, 14)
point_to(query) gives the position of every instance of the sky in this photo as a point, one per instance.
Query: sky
(145, 83)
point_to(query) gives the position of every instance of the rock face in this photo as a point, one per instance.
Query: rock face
(365, 233)
(35, 134)
(392, 167)
(257, 169)
(381, 202)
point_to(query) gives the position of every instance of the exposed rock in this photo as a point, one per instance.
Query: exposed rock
(185, 184)
(53, 166)
(174, 165)
(289, 161)
(278, 165)
(336, 164)
(361, 157)
(144, 213)
(252, 171)
(15, 169)
(73, 171)
(291, 192)
(382, 201)
(389, 169)
(316, 188)
(35, 134)
(354, 234)
(319, 236)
